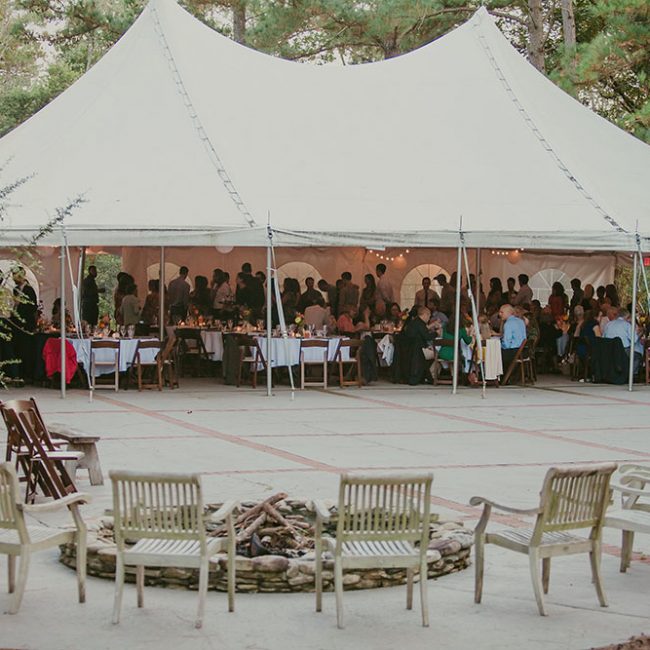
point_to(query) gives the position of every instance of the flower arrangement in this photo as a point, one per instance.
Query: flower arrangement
(404, 315)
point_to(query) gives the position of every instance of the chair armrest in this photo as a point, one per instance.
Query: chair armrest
(225, 511)
(633, 467)
(635, 476)
(477, 501)
(628, 490)
(322, 511)
(56, 504)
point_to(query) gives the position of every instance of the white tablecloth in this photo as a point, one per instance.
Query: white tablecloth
(280, 348)
(127, 352)
(213, 342)
(493, 361)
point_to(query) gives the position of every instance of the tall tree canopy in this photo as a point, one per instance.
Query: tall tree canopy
(598, 50)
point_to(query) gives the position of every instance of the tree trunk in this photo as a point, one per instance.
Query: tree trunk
(536, 34)
(569, 29)
(239, 21)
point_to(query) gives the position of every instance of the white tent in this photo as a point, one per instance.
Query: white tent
(181, 136)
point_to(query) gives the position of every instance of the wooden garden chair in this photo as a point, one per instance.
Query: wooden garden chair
(323, 347)
(437, 362)
(572, 498)
(383, 522)
(353, 360)
(168, 358)
(163, 514)
(633, 515)
(18, 539)
(32, 450)
(191, 350)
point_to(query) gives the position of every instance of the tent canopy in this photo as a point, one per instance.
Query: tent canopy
(160, 132)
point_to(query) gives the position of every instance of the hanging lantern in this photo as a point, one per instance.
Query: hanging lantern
(224, 250)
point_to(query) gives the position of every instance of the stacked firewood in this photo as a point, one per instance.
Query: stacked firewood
(263, 529)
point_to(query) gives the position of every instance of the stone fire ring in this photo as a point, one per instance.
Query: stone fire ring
(448, 552)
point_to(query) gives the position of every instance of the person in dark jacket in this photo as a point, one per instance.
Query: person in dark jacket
(417, 331)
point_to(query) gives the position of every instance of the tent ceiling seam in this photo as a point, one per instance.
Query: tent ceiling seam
(196, 121)
(536, 131)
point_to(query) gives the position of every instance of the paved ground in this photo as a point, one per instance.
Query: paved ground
(249, 446)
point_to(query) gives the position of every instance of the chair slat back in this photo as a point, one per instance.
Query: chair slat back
(10, 517)
(314, 343)
(573, 497)
(104, 344)
(384, 508)
(157, 506)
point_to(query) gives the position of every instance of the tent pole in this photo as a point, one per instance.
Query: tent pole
(479, 273)
(62, 323)
(633, 323)
(80, 277)
(161, 294)
(457, 323)
(269, 320)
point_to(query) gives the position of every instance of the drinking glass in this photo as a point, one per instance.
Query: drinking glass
(229, 324)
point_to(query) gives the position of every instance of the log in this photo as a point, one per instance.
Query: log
(249, 530)
(255, 510)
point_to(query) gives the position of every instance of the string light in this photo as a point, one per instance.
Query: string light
(506, 253)
(388, 258)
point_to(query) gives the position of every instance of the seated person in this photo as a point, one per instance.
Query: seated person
(346, 322)
(485, 330)
(395, 314)
(316, 314)
(446, 352)
(56, 315)
(619, 327)
(513, 334)
(436, 314)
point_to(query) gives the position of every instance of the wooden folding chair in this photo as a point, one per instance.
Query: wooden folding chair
(32, 450)
(321, 345)
(250, 354)
(522, 359)
(111, 360)
(156, 365)
(437, 362)
(168, 358)
(191, 350)
(353, 346)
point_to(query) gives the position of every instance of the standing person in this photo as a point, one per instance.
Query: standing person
(223, 295)
(612, 294)
(578, 295)
(558, 301)
(349, 292)
(124, 280)
(179, 296)
(426, 296)
(447, 293)
(525, 294)
(200, 297)
(511, 292)
(90, 297)
(369, 294)
(151, 310)
(130, 306)
(24, 317)
(384, 287)
(309, 296)
(331, 292)
(494, 297)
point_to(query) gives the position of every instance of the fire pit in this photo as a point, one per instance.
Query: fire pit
(275, 542)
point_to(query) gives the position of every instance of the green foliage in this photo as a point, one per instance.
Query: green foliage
(108, 266)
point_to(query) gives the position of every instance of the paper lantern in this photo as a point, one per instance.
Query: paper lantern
(224, 250)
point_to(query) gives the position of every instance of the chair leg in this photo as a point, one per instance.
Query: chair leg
(626, 549)
(81, 565)
(325, 374)
(139, 583)
(11, 572)
(340, 373)
(594, 557)
(119, 587)
(479, 560)
(318, 571)
(203, 590)
(409, 588)
(231, 572)
(537, 581)
(546, 573)
(139, 369)
(338, 587)
(22, 581)
(424, 591)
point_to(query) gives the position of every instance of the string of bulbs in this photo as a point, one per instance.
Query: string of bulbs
(388, 258)
(516, 250)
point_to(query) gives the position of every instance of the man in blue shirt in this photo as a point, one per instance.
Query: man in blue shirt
(619, 327)
(513, 334)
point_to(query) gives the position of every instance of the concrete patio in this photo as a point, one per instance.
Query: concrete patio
(248, 446)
